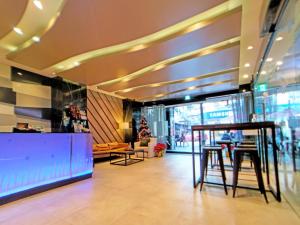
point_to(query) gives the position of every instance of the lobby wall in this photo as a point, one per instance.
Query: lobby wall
(105, 115)
(24, 97)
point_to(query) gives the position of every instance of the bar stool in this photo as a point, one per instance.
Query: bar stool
(247, 146)
(252, 152)
(204, 162)
(228, 144)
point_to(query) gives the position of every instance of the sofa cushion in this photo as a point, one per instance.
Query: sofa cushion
(123, 145)
(113, 145)
(102, 145)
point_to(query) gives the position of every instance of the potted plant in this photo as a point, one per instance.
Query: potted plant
(159, 149)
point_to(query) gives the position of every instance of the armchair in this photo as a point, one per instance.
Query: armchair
(149, 150)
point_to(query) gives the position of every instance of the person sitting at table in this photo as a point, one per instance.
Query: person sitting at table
(226, 136)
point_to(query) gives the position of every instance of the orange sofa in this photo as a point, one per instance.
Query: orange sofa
(103, 150)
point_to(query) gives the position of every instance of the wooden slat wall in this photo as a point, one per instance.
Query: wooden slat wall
(105, 113)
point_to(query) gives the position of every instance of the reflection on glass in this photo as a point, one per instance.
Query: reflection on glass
(277, 98)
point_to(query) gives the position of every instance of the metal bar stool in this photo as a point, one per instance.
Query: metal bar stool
(228, 143)
(204, 162)
(253, 153)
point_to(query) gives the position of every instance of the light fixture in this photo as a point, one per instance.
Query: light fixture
(246, 76)
(124, 126)
(279, 63)
(159, 67)
(127, 90)
(76, 63)
(155, 85)
(269, 59)
(192, 88)
(187, 97)
(18, 30)
(247, 65)
(138, 47)
(250, 47)
(20, 74)
(244, 90)
(190, 79)
(38, 4)
(263, 72)
(279, 38)
(126, 79)
(36, 39)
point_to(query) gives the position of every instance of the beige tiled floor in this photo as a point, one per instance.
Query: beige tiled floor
(157, 191)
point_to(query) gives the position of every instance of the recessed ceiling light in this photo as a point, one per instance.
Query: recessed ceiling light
(279, 38)
(138, 47)
(159, 67)
(18, 30)
(36, 39)
(76, 63)
(269, 59)
(250, 47)
(247, 65)
(155, 85)
(191, 88)
(19, 73)
(246, 76)
(38, 4)
(263, 72)
(279, 63)
(127, 90)
(190, 79)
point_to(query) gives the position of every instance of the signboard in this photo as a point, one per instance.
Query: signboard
(218, 114)
(262, 87)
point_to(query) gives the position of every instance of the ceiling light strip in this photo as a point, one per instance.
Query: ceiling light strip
(189, 25)
(180, 58)
(32, 31)
(185, 80)
(157, 96)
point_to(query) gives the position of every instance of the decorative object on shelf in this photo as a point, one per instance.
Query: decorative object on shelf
(159, 149)
(75, 119)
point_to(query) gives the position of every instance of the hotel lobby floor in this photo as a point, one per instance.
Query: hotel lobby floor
(156, 191)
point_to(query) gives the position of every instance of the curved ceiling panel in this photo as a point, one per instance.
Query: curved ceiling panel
(222, 60)
(10, 14)
(35, 22)
(97, 27)
(148, 91)
(201, 91)
(178, 81)
(114, 66)
(176, 59)
(184, 90)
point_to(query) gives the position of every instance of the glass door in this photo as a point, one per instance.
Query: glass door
(185, 116)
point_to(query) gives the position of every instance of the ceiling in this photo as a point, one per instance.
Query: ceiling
(142, 50)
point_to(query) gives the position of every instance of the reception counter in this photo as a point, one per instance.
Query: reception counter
(31, 163)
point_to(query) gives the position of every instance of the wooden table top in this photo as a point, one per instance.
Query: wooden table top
(236, 126)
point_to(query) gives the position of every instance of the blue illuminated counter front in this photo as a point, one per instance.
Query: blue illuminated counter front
(31, 163)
